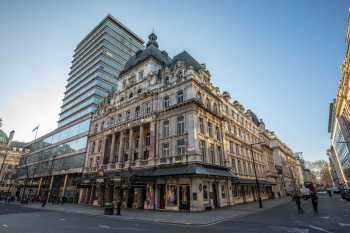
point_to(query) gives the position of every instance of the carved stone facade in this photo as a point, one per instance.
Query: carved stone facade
(167, 138)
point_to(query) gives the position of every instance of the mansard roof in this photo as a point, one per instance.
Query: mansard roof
(152, 50)
(187, 59)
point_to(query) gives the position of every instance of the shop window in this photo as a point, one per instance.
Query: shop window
(205, 192)
(171, 195)
(223, 191)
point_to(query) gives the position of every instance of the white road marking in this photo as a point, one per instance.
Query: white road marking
(104, 226)
(319, 228)
(344, 224)
(5, 226)
(291, 229)
(62, 219)
(325, 217)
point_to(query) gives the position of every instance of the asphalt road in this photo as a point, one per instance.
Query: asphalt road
(334, 217)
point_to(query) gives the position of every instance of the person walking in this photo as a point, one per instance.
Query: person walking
(43, 201)
(314, 201)
(297, 199)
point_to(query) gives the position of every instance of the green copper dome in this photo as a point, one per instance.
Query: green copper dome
(3, 137)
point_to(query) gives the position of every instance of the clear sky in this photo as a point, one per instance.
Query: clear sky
(279, 58)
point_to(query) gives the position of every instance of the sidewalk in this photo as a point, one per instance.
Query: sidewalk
(186, 218)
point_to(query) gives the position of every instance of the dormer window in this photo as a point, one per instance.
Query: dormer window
(167, 81)
(124, 83)
(179, 75)
(140, 75)
(131, 95)
(139, 91)
(121, 99)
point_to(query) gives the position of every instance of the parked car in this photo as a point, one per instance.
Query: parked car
(306, 193)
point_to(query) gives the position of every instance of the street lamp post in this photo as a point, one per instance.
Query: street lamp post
(256, 176)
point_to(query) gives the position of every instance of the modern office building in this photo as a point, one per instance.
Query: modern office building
(56, 159)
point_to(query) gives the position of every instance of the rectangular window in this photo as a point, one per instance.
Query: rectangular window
(218, 135)
(166, 101)
(210, 129)
(201, 125)
(137, 111)
(180, 144)
(180, 96)
(212, 153)
(180, 125)
(148, 108)
(231, 147)
(127, 115)
(165, 149)
(203, 150)
(166, 128)
(219, 154)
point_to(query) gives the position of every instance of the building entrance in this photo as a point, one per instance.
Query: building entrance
(161, 195)
(215, 196)
(184, 199)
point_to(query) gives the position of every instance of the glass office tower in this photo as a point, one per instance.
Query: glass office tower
(56, 159)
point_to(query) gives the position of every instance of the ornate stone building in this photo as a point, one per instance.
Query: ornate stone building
(167, 138)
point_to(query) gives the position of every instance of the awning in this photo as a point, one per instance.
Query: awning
(252, 182)
(177, 171)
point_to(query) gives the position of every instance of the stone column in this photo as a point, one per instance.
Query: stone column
(152, 151)
(111, 154)
(120, 153)
(141, 142)
(131, 157)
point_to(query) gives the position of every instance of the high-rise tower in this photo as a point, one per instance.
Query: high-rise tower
(56, 159)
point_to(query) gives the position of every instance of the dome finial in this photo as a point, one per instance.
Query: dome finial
(152, 39)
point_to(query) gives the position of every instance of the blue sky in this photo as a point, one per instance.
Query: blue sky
(279, 58)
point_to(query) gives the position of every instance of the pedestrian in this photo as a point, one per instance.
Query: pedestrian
(329, 191)
(314, 201)
(43, 201)
(297, 199)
